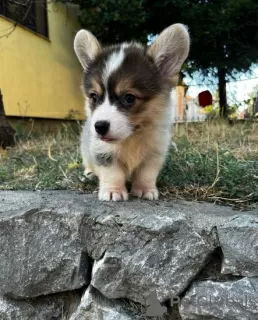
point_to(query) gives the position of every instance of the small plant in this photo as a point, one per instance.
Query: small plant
(72, 115)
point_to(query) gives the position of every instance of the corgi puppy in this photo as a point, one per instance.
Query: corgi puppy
(128, 128)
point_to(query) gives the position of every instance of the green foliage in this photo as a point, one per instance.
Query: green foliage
(224, 32)
(113, 20)
(19, 130)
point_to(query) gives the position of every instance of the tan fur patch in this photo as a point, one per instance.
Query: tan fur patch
(132, 151)
(123, 85)
(148, 113)
(96, 87)
(126, 86)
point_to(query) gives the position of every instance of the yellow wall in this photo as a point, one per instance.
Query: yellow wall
(40, 77)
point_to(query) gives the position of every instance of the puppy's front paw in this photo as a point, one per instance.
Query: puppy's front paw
(112, 194)
(89, 175)
(145, 193)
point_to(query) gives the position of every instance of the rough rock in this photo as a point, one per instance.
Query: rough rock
(95, 306)
(41, 251)
(239, 242)
(55, 307)
(231, 300)
(49, 239)
(155, 251)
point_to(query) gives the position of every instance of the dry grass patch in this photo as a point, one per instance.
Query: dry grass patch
(214, 162)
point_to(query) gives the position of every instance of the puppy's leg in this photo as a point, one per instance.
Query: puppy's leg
(85, 152)
(144, 179)
(88, 169)
(88, 172)
(112, 183)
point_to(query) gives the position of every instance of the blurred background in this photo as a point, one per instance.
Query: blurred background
(40, 75)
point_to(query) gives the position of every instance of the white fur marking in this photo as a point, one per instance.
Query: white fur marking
(114, 62)
(134, 44)
(120, 127)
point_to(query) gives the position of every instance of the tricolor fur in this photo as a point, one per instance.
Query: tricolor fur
(127, 89)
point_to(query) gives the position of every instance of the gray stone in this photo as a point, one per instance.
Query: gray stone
(56, 307)
(95, 306)
(41, 251)
(236, 233)
(239, 242)
(140, 247)
(231, 300)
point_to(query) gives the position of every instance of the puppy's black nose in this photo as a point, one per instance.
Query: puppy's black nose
(102, 127)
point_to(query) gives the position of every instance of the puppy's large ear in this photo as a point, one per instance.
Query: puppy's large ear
(170, 49)
(86, 47)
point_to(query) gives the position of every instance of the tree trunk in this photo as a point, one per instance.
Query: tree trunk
(223, 93)
(7, 133)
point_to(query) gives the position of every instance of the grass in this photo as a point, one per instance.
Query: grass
(214, 162)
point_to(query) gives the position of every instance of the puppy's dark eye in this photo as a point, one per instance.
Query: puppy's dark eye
(128, 100)
(94, 97)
